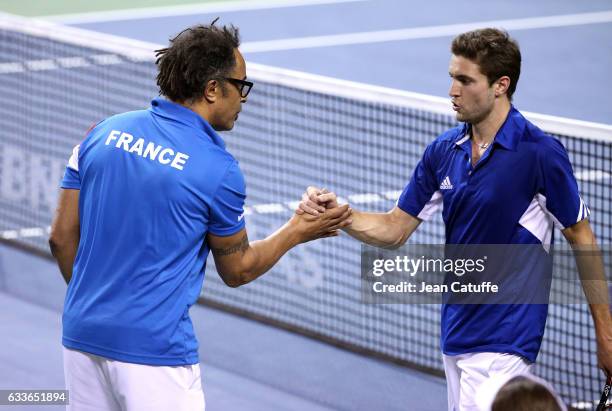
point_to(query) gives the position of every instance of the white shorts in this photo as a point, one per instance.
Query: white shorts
(100, 384)
(466, 372)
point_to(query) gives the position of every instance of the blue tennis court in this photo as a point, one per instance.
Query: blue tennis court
(566, 45)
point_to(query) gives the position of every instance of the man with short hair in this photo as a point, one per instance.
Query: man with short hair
(145, 197)
(500, 180)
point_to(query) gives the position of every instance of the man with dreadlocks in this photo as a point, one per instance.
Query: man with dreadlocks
(144, 198)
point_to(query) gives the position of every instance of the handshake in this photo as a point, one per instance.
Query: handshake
(319, 215)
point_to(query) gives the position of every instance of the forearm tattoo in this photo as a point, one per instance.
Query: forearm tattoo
(241, 246)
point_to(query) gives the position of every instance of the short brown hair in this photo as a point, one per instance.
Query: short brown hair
(494, 51)
(523, 394)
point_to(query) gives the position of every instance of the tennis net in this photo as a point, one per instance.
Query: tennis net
(297, 130)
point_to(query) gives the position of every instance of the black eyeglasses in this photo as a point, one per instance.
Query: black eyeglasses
(243, 86)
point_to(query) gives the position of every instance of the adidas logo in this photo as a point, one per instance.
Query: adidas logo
(446, 184)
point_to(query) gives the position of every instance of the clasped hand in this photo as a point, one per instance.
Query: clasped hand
(319, 214)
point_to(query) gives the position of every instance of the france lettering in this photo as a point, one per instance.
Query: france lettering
(152, 151)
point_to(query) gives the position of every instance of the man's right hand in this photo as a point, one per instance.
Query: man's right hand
(385, 230)
(325, 224)
(315, 201)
